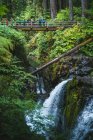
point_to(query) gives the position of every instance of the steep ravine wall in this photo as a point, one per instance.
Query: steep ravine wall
(77, 92)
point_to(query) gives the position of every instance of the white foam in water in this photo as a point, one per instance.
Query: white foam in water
(40, 86)
(84, 123)
(43, 118)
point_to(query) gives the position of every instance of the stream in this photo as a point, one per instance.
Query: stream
(84, 123)
(45, 117)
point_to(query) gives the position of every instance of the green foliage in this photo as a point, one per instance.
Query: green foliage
(88, 30)
(63, 15)
(12, 120)
(11, 8)
(5, 47)
(3, 10)
(89, 13)
(88, 50)
(77, 13)
(87, 27)
(72, 106)
(65, 40)
(28, 13)
(16, 95)
(16, 37)
(46, 46)
(15, 86)
(14, 81)
(40, 46)
(12, 43)
(33, 10)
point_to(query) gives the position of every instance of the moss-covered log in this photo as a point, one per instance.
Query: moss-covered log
(63, 55)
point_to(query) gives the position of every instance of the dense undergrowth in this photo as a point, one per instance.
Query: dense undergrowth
(16, 95)
(46, 46)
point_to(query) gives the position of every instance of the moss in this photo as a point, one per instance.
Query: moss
(72, 108)
(91, 74)
(72, 105)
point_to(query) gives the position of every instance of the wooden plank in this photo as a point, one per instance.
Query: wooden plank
(62, 56)
(37, 28)
(42, 28)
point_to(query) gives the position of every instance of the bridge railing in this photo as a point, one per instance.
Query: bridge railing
(24, 23)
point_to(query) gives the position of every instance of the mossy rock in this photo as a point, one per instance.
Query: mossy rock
(72, 105)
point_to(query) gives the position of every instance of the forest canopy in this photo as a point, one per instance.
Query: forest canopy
(45, 8)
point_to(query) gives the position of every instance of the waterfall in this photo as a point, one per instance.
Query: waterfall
(46, 116)
(40, 85)
(84, 123)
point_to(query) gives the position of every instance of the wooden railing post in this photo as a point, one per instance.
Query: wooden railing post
(31, 23)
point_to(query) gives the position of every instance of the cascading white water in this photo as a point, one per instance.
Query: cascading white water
(40, 85)
(84, 123)
(45, 117)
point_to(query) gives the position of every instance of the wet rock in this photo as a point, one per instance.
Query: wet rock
(86, 80)
(78, 65)
(83, 71)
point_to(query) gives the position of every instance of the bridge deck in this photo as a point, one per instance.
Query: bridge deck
(39, 28)
(29, 26)
(44, 27)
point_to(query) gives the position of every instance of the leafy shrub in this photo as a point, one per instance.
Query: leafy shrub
(65, 40)
(16, 37)
(14, 81)
(12, 120)
(3, 10)
(46, 46)
(63, 15)
(88, 50)
(40, 46)
(5, 47)
(12, 44)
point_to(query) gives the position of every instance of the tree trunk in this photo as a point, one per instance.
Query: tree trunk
(45, 5)
(71, 10)
(60, 4)
(83, 4)
(53, 8)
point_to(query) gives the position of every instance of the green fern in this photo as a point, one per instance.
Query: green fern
(5, 47)
(3, 10)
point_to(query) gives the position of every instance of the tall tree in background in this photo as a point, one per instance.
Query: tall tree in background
(71, 9)
(53, 8)
(83, 3)
(45, 5)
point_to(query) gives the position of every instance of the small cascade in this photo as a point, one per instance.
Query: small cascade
(45, 117)
(84, 124)
(40, 85)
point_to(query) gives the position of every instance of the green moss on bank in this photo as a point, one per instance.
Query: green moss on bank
(72, 102)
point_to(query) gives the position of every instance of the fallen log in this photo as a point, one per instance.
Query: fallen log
(63, 55)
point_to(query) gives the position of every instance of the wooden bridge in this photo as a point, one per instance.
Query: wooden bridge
(32, 26)
(44, 27)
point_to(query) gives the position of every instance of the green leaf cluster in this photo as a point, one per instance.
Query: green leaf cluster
(5, 47)
(63, 15)
(46, 46)
(87, 50)
(11, 41)
(3, 10)
(65, 40)
(14, 81)
(12, 119)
